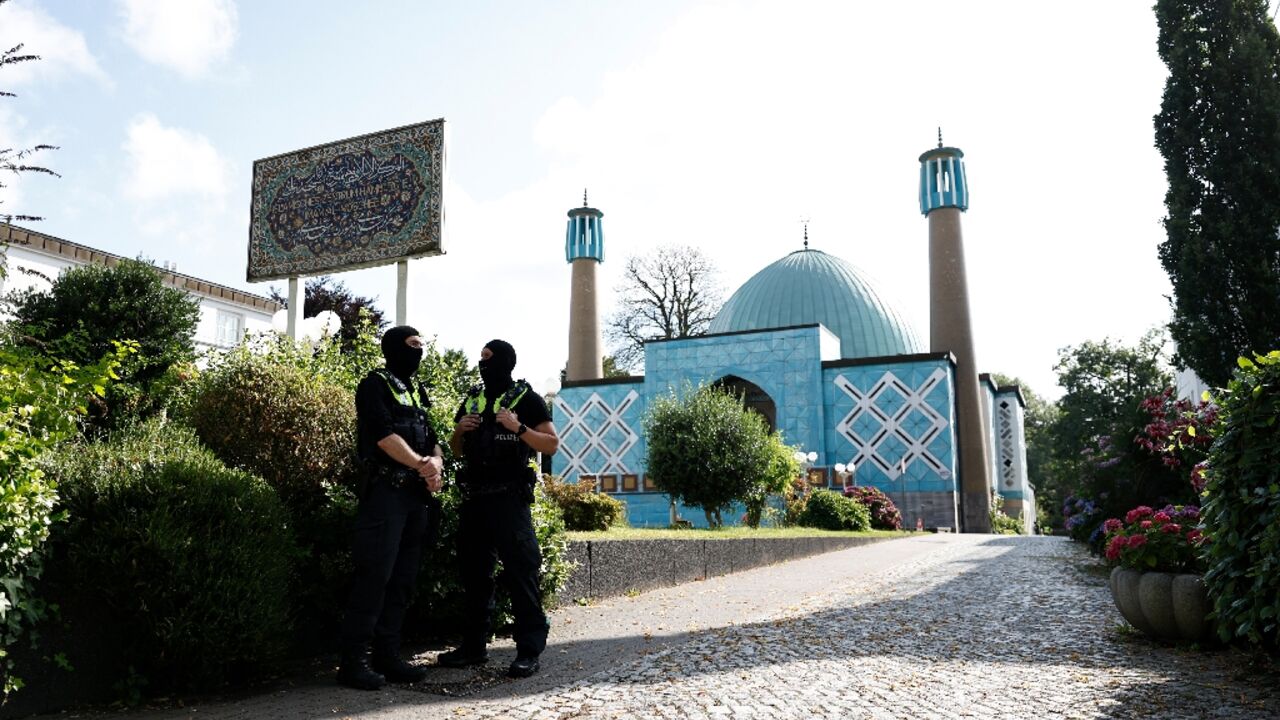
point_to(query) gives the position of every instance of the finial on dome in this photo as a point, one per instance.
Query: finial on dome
(806, 234)
(584, 193)
(939, 136)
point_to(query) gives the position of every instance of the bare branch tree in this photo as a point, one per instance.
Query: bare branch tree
(673, 293)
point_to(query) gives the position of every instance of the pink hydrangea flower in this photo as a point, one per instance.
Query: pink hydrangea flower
(1137, 541)
(1112, 525)
(1135, 514)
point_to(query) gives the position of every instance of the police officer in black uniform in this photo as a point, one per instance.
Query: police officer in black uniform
(499, 428)
(402, 466)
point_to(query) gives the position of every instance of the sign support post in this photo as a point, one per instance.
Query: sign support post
(402, 292)
(294, 313)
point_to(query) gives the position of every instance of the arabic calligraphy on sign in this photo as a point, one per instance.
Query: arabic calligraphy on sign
(366, 201)
(344, 202)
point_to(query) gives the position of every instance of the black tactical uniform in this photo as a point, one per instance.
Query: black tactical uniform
(497, 483)
(394, 515)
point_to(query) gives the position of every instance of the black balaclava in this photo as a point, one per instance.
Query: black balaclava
(402, 360)
(496, 371)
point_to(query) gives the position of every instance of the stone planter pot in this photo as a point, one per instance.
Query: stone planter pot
(1163, 605)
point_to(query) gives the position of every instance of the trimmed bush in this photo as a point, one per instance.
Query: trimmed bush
(707, 450)
(829, 510)
(267, 414)
(884, 514)
(582, 507)
(188, 558)
(1242, 512)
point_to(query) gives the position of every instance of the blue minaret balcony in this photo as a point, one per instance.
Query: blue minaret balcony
(942, 180)
(584, 237)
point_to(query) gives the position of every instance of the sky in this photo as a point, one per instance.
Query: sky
(720, 125)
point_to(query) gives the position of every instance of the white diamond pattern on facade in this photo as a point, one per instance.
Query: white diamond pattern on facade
(602, 437)
(1008, 466)
(882, 423)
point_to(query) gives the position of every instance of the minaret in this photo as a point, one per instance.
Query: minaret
(944, 194)
(584, 249)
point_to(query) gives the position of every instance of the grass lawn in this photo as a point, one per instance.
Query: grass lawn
(726, 533)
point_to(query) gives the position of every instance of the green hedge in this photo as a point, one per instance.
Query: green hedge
(1242, 511)
(583, 508)
(190, 559)
(829, 510)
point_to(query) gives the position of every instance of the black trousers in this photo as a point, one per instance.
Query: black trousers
(499, 527)
(387, 542)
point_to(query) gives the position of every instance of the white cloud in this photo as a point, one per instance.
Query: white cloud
(63, 51)
(187, 36)
(163, 162)
(746, 117)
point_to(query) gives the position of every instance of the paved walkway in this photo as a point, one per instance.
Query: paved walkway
(938, 626)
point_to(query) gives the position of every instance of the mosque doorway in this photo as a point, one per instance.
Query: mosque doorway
(754, 398)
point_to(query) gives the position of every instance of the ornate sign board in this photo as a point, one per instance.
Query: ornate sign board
(366, 201)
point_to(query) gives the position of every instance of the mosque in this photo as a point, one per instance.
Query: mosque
(845, 378)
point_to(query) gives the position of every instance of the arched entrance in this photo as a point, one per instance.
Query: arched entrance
(753, 397)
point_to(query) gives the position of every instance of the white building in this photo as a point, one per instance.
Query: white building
(226, 314)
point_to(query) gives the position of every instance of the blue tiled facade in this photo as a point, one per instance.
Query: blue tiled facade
(894, 418)
(895, 421)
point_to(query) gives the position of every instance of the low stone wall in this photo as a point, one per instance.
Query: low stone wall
(606, 568)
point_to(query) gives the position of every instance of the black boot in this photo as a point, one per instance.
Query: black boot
(396, 669)
(524, 666)
(354, 672)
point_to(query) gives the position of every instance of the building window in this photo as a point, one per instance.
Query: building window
(230, 328)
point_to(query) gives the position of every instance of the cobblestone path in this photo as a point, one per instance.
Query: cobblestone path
(964, 627)
(989, 628)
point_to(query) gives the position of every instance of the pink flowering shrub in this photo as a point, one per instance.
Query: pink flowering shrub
(1167, 540)
(1179, 433)
(884, 514)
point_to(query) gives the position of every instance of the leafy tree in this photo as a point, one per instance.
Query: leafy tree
(1096, 461)
(670, 294)
(1219, 132)
(707, 450)
(1103, 384)
(89, 307)
(325, 293)
(17, 161)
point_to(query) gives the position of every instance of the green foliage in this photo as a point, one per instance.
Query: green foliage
(773, 479)
(1097, 418)
(41, 400)
(90, 307)
(830, 510)
(190, 558)
(582, 507)
(275, 412)
(706, 450)
(1219, 132)
(1002, 524)
(1242, 512)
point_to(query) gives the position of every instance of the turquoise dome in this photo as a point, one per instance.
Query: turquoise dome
(810, 286)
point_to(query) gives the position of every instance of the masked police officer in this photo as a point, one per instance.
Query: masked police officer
(402, 463)
(499, 428)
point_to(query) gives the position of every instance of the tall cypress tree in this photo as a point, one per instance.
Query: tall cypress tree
(1219, 132)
